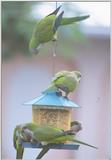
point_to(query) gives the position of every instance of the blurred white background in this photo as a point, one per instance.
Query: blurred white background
(24, 78)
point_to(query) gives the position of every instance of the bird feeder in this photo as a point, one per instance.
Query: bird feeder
(52, 109)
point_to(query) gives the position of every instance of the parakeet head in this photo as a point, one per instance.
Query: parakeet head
(34, 51)
(75, 123)
(77, 75)
(76, 126)
(34, 45)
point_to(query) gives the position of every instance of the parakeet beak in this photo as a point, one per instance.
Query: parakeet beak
(34, 51)
(79, 80)
(78, 75)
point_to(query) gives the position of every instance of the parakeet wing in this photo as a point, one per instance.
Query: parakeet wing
(54, 12)
(46, 133)
(15, 136)
(16, 143)
(56, 78)
(59, 75)
(57, 22)
(66, 21)
(30, 126)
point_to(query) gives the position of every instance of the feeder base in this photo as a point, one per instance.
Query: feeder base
(46, 148)
(52, 146)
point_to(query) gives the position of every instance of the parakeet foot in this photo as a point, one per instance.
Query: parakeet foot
(55, 37)
(59, 93)
(66, 97)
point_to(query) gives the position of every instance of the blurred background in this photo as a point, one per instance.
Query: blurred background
(84, 46)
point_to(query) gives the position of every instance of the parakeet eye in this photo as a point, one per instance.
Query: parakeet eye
(79, 76)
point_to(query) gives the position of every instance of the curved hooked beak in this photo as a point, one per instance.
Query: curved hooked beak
(34, 51)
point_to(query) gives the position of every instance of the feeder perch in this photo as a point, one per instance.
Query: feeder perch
(52, 146)
(49, 146)
(52, 109)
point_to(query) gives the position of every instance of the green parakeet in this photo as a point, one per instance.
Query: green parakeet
(46, 29)
(22, 132)
(17, 143)
(65, 81)
(50, 135)
(75, 127)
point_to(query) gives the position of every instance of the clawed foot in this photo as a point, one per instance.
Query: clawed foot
(65, 97)
(33, 141)
(59, 93)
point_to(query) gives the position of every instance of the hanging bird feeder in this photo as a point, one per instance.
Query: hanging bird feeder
(52, 109)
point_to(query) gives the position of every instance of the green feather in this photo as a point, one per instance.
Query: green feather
(17, 137)
(52, 135)
(66, 21)
(44, 30)
(19, 151)
(43, 152)
(80, 142)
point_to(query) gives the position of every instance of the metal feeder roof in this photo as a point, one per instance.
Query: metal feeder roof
(52, 99)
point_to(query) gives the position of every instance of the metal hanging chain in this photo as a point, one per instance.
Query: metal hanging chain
(54, 51)
(56, 4)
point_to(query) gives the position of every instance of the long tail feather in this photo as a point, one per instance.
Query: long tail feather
(50, 89)
(43, 152)
(66, 21)
(80, 142)
(15, 137)
(19, 153)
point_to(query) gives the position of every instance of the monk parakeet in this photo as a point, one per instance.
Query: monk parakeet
(17, 143)
(65, 81)
(22, 132)
(46, 29)
(27, 134)
(44, 134)
(50, 135)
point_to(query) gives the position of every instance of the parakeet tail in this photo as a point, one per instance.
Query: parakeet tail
(43, 152)
(50, 89)
(80, 142)
(15, 137)
(19, 154)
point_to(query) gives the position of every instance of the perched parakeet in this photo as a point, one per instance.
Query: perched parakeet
(22, 132)
(46, 29)
(75, 127)
(65, 81)
(50, 135)
(17, 143)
